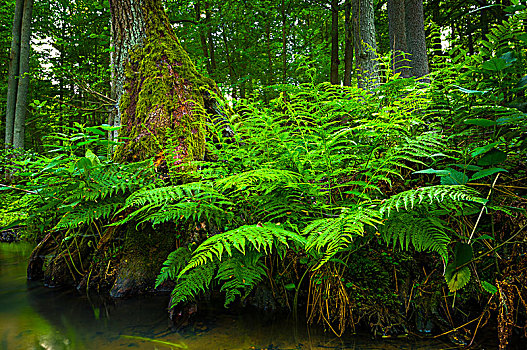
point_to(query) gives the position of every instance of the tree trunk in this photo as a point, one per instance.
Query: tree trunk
(334, 74)
(23, 80)
(202, 36)
(415, 37)
(397, 29)
(12, 79)
(157, 85)
(284, 42)
(160, 96)
(348, 45)
(211, 42)
(365, 44)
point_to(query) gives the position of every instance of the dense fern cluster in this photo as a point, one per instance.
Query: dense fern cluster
(317, 173)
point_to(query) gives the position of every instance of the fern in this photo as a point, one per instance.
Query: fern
(424, 232)
(88, 212)
(195, 201)
(260, 237)
(329, 236)
(192, 283)
(446, 196)
(172, 265)
(264, 177)
(240, 273)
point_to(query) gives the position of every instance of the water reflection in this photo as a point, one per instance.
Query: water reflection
(34, 317)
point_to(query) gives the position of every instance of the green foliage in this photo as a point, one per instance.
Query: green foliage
(261, 237)
(173, 264)
(241, 272)
(422, 230)
(193, 283)
(442, 196)
(75, 187)
(331, 235)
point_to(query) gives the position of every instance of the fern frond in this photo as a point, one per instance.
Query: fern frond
(442, 195)
(89, 212)
(331, 235)
(425, 233)
(192, 283)
(255, 178)
(240, 273)
(172, 265)
(260, 237)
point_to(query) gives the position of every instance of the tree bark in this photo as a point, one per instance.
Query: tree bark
(12, 79)
(416, 38)
(202, 36)
(365, 44)
(23, 80)
(211, 42)
(348, 45)
(284, 42)
(334, 70)
(397, 30)
(161, 100)
(157, 86)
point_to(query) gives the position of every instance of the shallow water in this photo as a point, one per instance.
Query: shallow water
(35, 317)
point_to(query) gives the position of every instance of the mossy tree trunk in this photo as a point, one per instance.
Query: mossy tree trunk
(161, 98)
(158, 87)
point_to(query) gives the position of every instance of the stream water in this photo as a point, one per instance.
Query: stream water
(35, 317)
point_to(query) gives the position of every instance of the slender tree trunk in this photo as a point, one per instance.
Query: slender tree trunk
(211, 41)
(270, 73)
(128, 30)
(284, 42)
(228, 55)
(348, 45)
(23, 81)
(12, 78)
(365, 44)
(202, 36)
(416, 38)
(334, 71)
(397, 29)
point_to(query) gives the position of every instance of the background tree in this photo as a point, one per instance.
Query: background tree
(18, 78)
(365, 44)
(397, 29)
(416, 38)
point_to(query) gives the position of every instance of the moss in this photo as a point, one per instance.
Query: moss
(163, 98)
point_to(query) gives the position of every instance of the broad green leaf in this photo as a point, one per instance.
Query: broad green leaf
(456, 279)
(471, 92)
(495, 64)
(96, 130)
(483, 149)
(462, 254)
(522, 82)
(469, 167)
(486, 172)
(454, 177)
(92, 157)
(433, 171)
(290, 286)
(509, 57)
(493, 157)
(488, 287)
